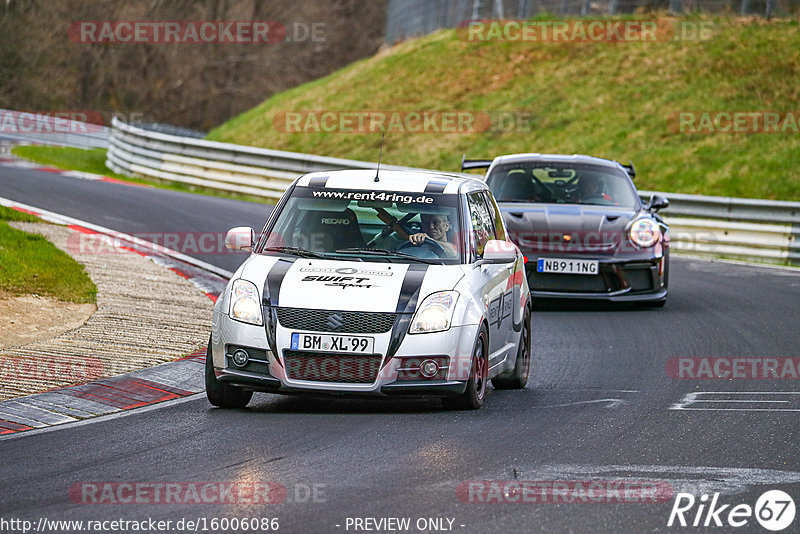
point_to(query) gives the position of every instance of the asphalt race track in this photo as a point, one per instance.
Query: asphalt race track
(601, 407)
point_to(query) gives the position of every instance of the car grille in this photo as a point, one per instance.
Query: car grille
(569, 283)
(336, 321)
(639, 279)
(339, 368)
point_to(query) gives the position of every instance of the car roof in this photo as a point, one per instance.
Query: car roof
(411, 181)
(556, 158)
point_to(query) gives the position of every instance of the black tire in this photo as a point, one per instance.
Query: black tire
(473, 397)
(221, 394)
(517, 378)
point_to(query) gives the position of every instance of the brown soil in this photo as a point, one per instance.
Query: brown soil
(32, 318)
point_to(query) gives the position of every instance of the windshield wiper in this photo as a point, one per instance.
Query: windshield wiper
(297, 251)
(385, 252)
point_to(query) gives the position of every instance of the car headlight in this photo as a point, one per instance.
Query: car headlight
(644, 232)
(245, 306)
(435, 313)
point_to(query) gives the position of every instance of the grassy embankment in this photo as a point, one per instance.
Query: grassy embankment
(30, 264)
(612, 100)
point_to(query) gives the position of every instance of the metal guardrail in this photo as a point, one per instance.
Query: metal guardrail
(726, 227)
(254, 171)
(747, 229)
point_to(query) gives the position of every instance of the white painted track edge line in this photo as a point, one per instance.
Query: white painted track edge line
(105, 417)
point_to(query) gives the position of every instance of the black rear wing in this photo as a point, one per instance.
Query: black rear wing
(630, 169)
(467, 164)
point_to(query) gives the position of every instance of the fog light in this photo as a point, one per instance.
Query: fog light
(429, 368)
(240, 358)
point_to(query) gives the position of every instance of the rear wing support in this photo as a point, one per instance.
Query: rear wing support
(467, 164)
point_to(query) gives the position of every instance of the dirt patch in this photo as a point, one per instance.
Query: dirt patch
(32, 318)
(146, 315)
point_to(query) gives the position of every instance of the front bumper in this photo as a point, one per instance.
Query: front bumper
(635, 280)
(268, 372)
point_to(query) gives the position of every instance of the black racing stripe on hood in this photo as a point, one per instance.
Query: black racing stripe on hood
(406, 306)
(409, 291)
(269, 302)
(272, 286)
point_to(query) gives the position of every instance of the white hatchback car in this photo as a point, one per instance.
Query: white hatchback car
(402, 283)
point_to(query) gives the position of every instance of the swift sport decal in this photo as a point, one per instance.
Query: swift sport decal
(343, 285)
(340, 281)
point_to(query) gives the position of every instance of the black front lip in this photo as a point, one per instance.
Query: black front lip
(449, 388)
(624, 295)
(255, 381)
(270, 384)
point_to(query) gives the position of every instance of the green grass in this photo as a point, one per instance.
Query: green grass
(611, 100)
(94, 161)
(75, 159)
(30, 264)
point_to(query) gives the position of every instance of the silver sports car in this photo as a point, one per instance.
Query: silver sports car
(581, 226)
(397, 283)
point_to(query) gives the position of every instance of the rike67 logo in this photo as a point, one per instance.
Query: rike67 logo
(774, 510)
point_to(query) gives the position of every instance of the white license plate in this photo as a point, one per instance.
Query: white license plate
(329, 343)
(566, 266)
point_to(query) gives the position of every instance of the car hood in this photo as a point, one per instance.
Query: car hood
(347, 285)
(543, 227)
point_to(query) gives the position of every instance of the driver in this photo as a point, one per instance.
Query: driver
(435, 227)
(591, 188)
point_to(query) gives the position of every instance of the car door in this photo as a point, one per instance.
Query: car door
(496, 292)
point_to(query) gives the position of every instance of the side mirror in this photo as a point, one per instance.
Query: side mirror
(657, 202)
(240, 238)
(498, 251)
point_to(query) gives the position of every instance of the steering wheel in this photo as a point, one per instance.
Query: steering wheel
(389, 230)
(432, 245)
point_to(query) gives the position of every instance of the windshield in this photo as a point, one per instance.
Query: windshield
(555, 183)
(370, 225)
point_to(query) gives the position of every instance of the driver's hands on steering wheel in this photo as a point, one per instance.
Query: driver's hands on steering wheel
(417, 239)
